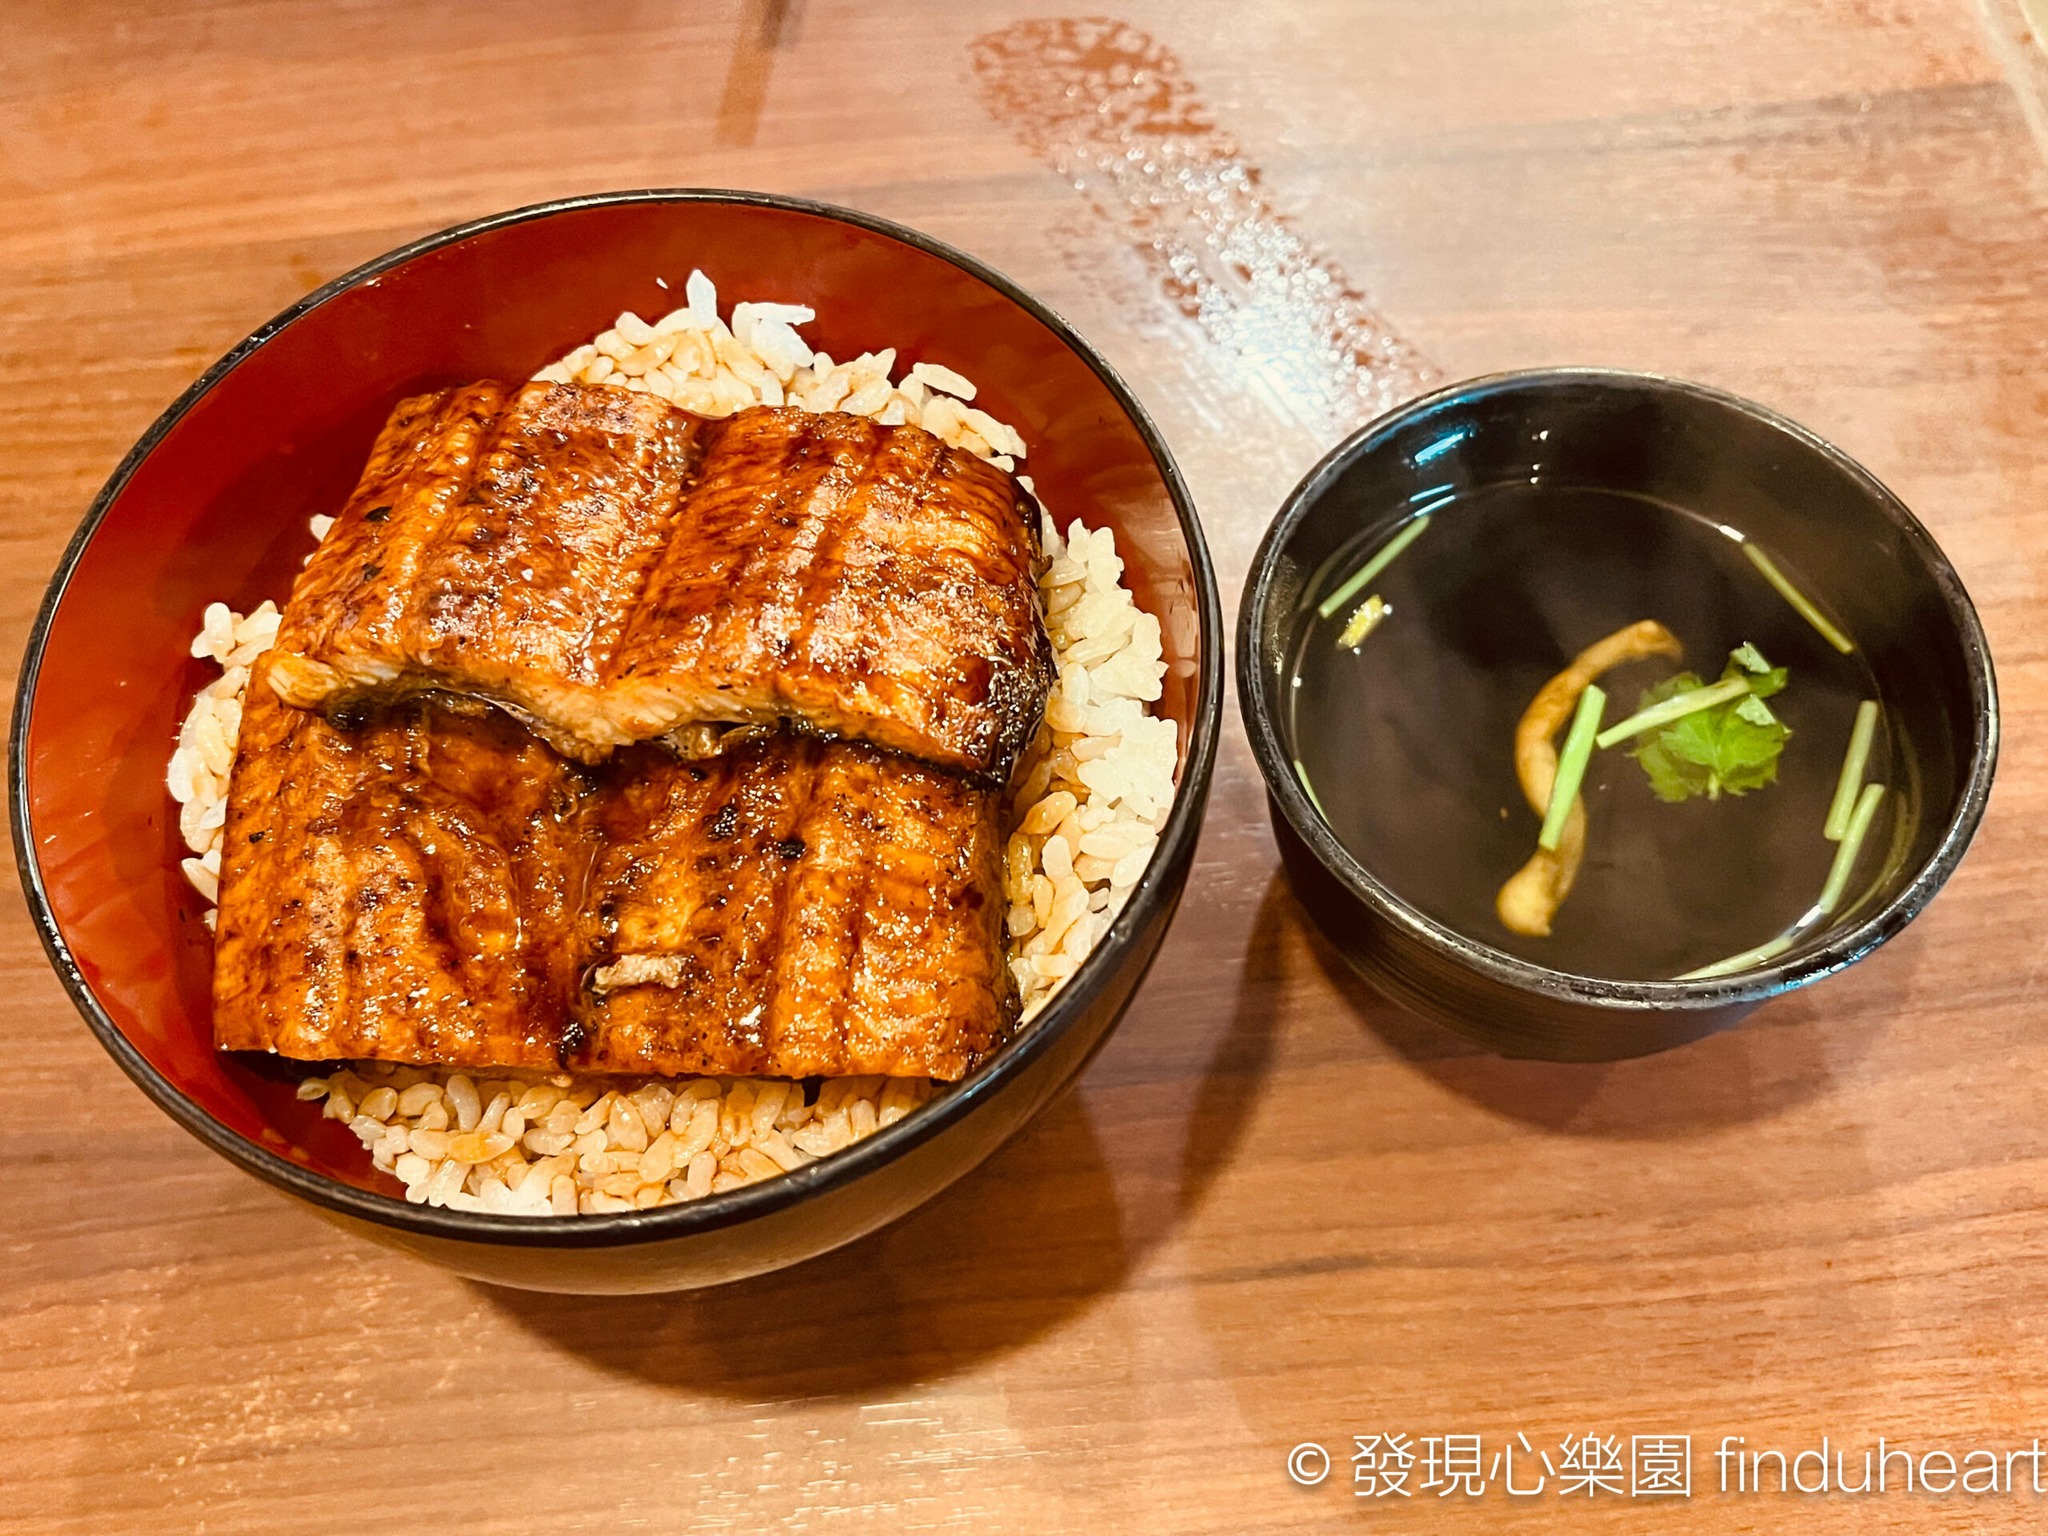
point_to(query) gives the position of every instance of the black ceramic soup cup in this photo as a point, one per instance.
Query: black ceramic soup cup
(1703, 452)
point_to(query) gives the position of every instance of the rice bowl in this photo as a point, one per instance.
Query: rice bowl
(212, 501)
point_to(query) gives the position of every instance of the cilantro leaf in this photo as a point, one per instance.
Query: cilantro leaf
(1731, 748)
(1761, 684)
(1755, 711)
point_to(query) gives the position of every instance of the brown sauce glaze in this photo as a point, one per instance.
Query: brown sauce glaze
(439, 887)
(609, 568)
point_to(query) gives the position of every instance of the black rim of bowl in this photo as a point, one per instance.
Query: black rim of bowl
(753, 1200)
(1746, 988)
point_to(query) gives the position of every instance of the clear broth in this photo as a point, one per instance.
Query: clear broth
(1408, 742)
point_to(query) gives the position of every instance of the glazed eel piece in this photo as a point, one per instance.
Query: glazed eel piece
(438, 887)
(609, 569)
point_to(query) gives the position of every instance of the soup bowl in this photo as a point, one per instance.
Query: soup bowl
(212, 505)
(1695, 450)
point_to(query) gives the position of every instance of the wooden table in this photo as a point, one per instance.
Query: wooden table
(1277, 1210)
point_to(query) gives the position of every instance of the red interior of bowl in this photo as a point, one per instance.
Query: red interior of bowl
(218, 512)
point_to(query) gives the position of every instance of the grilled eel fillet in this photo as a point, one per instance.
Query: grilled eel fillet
(406, 891)
(610, 568)
(437, 887)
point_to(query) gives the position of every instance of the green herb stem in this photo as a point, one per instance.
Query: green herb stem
(1760, 955)
(1798, 599)
(1302, 774)
(1851, 845)
(1363, 623)
(1839, 872)
(1571, 765)
(1843, 806)
(1677, 707)
(1372, 567)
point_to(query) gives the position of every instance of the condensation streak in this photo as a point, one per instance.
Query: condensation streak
(1110, 109)
(767, 27)
(2019, 32)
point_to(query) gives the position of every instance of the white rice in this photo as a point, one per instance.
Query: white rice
(522, 1145)
(1092, 795)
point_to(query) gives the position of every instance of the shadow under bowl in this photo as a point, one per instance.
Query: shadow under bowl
(212, 505)
(1719, 463)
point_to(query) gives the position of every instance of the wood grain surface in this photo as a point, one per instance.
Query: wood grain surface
(1276, 1210)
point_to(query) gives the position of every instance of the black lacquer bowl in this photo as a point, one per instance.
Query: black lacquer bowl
(1693, 449)
(212, 505)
